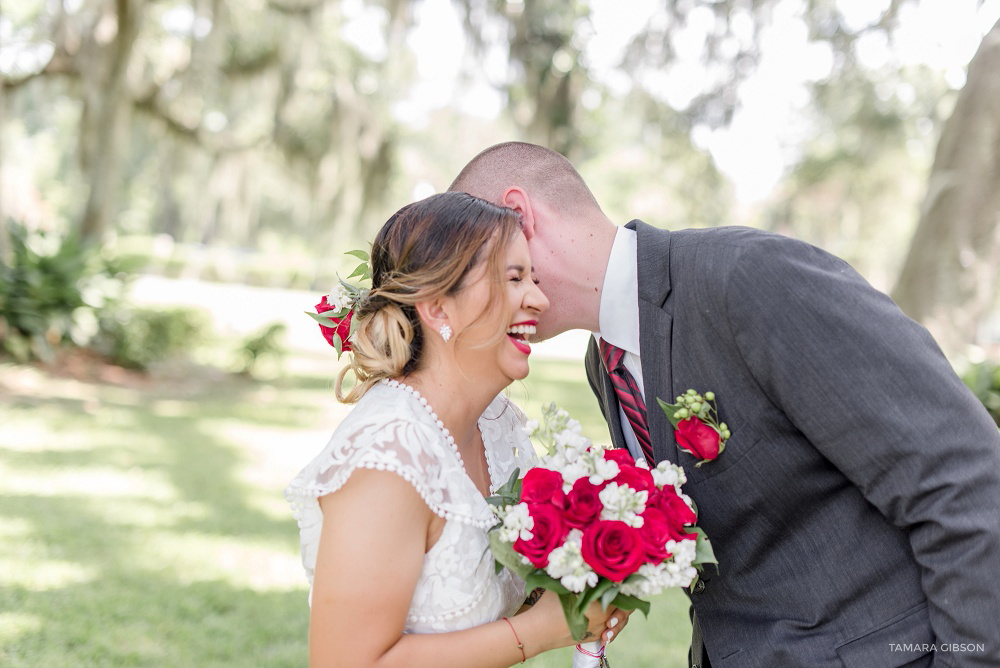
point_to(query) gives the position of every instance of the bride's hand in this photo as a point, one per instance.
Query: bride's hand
(548, 614)
(616, 622)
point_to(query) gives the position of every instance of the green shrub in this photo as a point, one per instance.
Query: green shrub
(984, 381)
(265, 343)
(51, 291)
(136, 338)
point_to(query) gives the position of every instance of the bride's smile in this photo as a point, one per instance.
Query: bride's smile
(492, 324)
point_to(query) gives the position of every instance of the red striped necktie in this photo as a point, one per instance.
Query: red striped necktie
(629, 396)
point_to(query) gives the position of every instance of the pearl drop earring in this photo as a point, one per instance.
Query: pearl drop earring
(445, 332)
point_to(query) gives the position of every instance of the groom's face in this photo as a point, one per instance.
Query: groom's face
(548, 256)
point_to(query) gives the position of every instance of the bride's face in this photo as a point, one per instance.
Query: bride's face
(491, 338)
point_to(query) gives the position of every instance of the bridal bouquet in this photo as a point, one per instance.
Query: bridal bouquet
(592, 524)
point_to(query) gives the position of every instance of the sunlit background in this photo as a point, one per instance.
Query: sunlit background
(179, 180)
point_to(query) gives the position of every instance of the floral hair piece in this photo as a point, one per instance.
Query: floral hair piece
(334, 311)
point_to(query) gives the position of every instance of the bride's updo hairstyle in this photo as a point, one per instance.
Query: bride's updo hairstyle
(423, 252)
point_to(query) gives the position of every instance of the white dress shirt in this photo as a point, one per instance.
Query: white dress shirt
(618, 318)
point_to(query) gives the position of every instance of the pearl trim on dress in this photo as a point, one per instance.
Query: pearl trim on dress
(389, 382)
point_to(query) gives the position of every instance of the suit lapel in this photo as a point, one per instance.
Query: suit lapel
(606, 391)
(655, 328)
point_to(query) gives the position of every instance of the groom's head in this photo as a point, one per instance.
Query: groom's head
(566, 230)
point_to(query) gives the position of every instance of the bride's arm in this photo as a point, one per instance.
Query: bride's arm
(375, 534)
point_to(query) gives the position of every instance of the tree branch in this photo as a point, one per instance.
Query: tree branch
(61, 63)
(150, 103)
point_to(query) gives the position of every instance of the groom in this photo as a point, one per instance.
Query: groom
(855, 511)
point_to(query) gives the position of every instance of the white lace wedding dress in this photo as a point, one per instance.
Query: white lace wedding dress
(393, 429)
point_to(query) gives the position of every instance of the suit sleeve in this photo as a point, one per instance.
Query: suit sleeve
(871, 390)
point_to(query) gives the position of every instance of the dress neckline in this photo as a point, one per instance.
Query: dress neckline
(449, 439)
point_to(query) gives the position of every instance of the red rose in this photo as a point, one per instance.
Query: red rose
(620, 455)
(697, 438)
(543, 486)
(676, 512)
(655, 532)
(547, 534)
(613, 549)
(583, 504)
(343, 326)
(639, 479)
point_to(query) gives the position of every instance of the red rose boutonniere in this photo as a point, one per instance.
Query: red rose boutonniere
(334, 311)
(696, 422)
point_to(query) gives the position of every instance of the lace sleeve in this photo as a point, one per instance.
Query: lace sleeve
(402, 444)
(507, 445)
(411, 449)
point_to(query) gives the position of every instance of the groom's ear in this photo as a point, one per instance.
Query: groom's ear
(517, 199)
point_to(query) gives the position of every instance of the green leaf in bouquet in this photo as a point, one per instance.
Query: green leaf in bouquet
(508, 494)
(703, 552)
(360, 270)
(575, 619)
(511, 488)
(575, 605)
(338, 344)
(594, 594)
(609, 595)
(505, 555)
(539, 578)
(626, 602)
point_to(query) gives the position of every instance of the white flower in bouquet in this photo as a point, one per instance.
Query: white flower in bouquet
(566, 564)
(668, 475)
(601, 469)
(517, 523)
(623, 503)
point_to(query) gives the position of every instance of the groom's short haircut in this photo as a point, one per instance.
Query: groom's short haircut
(540, 171)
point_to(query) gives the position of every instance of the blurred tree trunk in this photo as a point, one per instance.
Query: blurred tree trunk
(949, 276)
(4, 239)
(107, 103)
(170, 211)
(541, 44)
(545, 74)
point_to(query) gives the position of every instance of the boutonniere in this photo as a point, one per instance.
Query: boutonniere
(696, 422)
(334, 311)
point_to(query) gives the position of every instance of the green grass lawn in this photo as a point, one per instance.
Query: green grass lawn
(143, 523)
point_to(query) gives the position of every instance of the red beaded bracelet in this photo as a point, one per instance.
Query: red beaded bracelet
(520, 645)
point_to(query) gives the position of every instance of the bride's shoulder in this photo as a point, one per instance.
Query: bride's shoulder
(386, 431)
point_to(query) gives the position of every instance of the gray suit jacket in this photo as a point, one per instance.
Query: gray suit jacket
(855, 511)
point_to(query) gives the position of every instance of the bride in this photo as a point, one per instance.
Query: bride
(391, 513)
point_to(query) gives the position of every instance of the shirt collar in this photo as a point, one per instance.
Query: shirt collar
(619, 315)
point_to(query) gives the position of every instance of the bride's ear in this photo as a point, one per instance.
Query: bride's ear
(432, 314)
(515, 198)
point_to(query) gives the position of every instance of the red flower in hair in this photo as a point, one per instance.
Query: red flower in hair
(343, 328)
